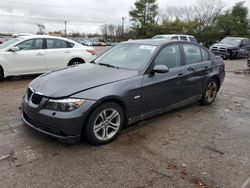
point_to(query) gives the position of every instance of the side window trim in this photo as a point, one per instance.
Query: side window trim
(44, 44)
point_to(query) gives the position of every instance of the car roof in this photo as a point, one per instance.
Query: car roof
(40, 36)
(153, 42)
(170, 35)
(44, 36)
(241, 38)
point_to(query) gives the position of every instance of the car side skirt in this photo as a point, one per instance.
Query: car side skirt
(165, 109)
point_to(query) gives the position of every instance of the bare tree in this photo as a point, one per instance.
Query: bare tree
(104, 31)
(41, 29)
(204, 12)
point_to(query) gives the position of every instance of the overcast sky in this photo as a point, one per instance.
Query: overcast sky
(82, 16)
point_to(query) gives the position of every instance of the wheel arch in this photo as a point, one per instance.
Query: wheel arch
(2, 70)
(217, 79)
(75, 59)
(103, 101)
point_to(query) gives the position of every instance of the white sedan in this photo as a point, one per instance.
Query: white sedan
(40, 53)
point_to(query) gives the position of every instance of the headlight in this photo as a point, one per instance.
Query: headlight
(64, 105)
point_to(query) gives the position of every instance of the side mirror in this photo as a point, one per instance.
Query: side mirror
(161, 69)
(14, 49)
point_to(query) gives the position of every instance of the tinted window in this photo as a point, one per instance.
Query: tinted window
(183, 38)
(70, 45)
(33, 44)
(244, 43)
(205, 55)
(169, 56)
(192, 39)
(175, 38)
(56, 43)
(192, 54)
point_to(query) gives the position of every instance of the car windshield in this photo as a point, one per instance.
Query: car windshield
(127, 56)
(9, 43)
(229, 40)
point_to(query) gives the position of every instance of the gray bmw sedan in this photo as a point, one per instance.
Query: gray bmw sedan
(130, 82)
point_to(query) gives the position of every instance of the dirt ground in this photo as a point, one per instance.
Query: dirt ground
(194, 146)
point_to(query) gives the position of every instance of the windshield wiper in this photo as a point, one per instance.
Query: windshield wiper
(108, 65)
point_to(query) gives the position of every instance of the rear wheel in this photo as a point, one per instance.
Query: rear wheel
(104, 124)
(210, 94)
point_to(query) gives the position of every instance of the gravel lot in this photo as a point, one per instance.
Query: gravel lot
(194, 146)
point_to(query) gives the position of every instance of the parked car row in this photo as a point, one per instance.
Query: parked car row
(41, 53)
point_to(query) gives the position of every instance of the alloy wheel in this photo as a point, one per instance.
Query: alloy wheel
(211, 91)
(107, 124)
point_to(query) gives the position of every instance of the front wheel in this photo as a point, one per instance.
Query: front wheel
(76, 62)
(104, 124)
(210, 94)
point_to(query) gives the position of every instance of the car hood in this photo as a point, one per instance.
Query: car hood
(72, 80)
(225, 45)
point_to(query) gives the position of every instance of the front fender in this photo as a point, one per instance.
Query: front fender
(84, 55)
(126, 91)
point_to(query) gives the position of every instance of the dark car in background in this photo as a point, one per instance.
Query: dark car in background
(130, 82)
(86, 42)
(232, 48)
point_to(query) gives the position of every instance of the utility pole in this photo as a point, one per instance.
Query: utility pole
(65, 29)
(123, 20)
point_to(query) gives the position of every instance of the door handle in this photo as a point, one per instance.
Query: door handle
(191, 69)
(40, 54)
(67, 52)
(181, 74)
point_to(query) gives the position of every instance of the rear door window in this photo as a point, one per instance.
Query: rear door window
(192, 39)
(183, 38)
(57, 44)
(205, 55)
(169, 56)
(175, 38)
(192, 54)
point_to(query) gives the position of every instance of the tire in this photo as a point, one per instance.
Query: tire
(76, 62)
(104, 124)
(210, 94)
(1, 74)
(225, 57)
(233, 56)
